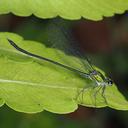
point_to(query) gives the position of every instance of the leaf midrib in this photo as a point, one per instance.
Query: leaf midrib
(34, 84)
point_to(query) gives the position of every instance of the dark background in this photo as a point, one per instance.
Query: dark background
(106, 43)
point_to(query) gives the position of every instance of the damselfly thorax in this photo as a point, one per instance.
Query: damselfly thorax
(101, 80)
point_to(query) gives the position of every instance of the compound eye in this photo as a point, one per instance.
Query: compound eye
(110, 82)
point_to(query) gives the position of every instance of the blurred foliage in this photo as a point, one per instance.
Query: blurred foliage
(82, 118)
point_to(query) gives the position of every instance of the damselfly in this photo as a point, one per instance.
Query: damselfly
(100, 79)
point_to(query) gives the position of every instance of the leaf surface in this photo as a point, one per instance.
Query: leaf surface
(68, 9)
(31, 85)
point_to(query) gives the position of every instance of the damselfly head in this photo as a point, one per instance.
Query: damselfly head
(109, 81)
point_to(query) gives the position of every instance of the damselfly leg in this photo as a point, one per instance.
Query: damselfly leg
(97, 91)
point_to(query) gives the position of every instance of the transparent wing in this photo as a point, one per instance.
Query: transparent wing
(58, 36)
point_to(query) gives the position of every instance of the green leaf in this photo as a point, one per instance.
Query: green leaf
(31, 85)
(73, 9)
